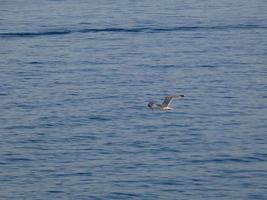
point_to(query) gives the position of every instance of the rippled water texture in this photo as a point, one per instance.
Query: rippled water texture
(76, 77)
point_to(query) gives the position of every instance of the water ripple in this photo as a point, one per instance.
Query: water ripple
(129, 30)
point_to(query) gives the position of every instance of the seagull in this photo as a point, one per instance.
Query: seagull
(165, 105)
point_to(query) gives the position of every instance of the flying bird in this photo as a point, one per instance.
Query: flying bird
(165, 105)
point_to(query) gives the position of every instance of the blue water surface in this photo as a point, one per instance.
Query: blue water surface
(76, 77)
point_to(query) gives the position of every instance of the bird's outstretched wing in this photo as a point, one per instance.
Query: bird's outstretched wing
(168, 99)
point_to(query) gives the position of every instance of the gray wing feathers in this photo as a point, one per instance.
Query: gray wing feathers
(167, 101)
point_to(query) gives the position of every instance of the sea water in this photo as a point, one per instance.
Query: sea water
(75, 80)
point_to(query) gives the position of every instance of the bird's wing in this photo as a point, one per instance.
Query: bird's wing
(167, 101)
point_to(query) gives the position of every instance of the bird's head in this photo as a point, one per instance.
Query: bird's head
(150, 104)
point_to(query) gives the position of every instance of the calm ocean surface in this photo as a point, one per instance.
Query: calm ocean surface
(75, 80)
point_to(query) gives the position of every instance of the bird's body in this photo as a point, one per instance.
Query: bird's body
(165, 105)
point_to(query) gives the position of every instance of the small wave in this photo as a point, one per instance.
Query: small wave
(55, 191)
(73, 174)
(129, 30)
(227, 160)
(35, 63)
(35, 34)
(123, 195)
(207, 66)
(19, 159)
(19, 127)
(99, 118)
